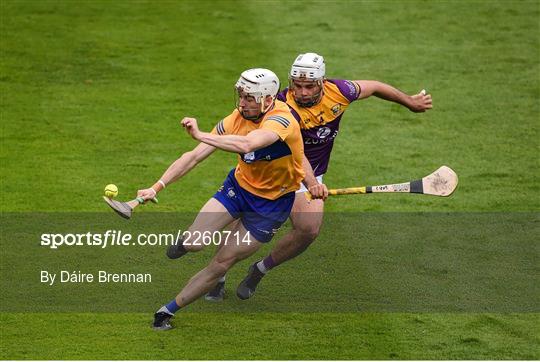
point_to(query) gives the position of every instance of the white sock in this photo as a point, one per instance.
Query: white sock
(261, 267)
(222, 279)
(164, 309)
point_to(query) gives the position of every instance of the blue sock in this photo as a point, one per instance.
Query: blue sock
(172, 306)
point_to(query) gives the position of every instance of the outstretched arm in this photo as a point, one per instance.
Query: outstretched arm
(317, 190)
(416, 103)
(254, 140)
(177, 169)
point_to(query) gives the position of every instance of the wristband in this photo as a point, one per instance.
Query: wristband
(162, 183)
(157, 187)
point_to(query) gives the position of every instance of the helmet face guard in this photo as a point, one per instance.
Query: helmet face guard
(306, 101)
(239, 93)
(308, 67)
(259, 84)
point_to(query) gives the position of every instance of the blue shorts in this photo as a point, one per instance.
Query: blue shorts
(260, 216)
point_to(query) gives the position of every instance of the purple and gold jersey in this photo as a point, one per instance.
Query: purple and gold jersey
(320, 124)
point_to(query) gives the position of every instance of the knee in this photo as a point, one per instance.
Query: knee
(219, 268)
(308, 233)
(193, 248)
(187, 241)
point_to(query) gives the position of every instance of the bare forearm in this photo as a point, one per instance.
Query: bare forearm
(230, 143)
(420, 102)
(316, 189)
(179, 168)
(309, 179)
(386, 92)
(176, 170)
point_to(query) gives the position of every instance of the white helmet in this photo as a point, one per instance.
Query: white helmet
(309, 66)
(258, 83)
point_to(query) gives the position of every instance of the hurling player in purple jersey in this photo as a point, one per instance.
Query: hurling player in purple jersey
(318, 105)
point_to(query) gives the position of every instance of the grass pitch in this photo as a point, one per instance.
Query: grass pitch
(92, 94)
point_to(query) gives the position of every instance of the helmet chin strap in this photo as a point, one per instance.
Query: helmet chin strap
(266, 109)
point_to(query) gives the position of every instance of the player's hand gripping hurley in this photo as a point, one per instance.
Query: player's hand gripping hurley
(442, 182)
(125, 209)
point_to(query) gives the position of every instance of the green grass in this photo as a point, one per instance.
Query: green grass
(274, 336)
(92, 94)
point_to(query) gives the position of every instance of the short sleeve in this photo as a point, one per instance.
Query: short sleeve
(279, 125)
(347, 88)
(225, 126)
(219, 128)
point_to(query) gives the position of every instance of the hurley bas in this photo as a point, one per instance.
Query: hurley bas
(103, 276)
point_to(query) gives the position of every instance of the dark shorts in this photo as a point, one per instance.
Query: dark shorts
(260, 216)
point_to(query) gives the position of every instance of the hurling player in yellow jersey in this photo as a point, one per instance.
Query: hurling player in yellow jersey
(317, 104)
(256, 197)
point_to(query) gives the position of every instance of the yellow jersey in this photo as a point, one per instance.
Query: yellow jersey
(274, 170)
